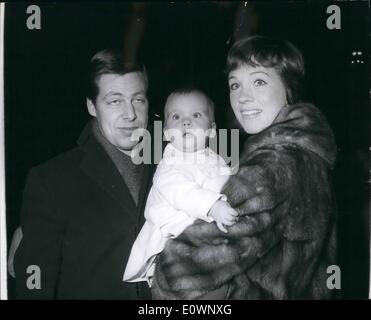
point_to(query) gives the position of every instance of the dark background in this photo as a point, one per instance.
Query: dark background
(184, 42)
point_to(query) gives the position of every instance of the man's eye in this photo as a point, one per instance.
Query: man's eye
(175, 117)
(234, 86)
(197, 115)
(114, 102)
(140, 100)
(259, 83)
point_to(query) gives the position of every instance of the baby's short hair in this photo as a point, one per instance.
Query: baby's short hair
(189, 90)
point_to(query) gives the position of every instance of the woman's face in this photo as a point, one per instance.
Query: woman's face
(257, 95)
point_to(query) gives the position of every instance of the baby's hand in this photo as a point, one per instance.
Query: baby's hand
(223, 214)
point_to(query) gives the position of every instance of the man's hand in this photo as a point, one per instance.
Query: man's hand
(223, 214)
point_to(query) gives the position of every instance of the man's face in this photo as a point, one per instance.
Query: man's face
(121, 107)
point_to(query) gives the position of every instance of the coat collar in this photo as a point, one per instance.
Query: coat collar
(301, 125)
(100, 168)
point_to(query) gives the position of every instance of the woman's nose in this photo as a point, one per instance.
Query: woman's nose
(129, 112)
(187, 123)
(246, 95)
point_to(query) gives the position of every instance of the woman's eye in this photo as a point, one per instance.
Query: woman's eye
(259, 82)
(197, 115)
(234, 86)
(175, 117)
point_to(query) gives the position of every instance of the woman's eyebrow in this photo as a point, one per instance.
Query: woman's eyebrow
(254, 72)
(231, 77)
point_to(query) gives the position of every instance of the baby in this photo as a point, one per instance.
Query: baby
(186, 185)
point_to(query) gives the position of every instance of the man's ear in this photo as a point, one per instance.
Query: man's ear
(212, 130)
(166, 136)
(91, 107)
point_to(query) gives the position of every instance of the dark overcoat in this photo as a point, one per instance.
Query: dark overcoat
(79, 222)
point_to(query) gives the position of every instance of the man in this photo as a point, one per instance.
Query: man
(82, 210)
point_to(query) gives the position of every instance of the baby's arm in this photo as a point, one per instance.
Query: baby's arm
(170, 221)
(184, 194)
(223, 214)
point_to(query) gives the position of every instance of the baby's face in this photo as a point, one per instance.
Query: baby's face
(187, 121)
(257, 95)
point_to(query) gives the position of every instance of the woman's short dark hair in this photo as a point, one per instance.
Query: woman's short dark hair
(279, 54)
(109, 61)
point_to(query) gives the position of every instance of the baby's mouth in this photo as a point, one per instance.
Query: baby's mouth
(187, 134)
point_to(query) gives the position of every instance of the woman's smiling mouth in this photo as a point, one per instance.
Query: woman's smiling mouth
(251, 113)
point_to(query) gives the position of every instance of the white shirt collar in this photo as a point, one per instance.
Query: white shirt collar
(173, 155)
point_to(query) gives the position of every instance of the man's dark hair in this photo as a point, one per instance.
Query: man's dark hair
(109, 61)
(279, 54)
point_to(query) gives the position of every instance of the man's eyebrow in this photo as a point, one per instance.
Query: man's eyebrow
(115, 93)
(112, 93)
(139, 92)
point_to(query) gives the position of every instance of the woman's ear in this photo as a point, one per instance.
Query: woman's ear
(212, 130)
(91, 107)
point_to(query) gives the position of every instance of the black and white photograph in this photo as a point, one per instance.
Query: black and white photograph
(245, 124)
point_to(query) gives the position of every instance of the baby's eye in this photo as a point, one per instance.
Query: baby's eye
(175, 117)
(259, 83)
(197, 115)
(234, 86)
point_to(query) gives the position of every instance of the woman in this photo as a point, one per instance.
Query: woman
(285, 238)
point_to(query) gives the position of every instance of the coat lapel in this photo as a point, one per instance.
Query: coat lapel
(149, 170)
(100, 168)
(144, 190)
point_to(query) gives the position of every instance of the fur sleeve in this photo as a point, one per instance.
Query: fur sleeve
(272, 193)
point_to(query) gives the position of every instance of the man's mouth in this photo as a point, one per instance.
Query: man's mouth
(128, 128)
(251, 113)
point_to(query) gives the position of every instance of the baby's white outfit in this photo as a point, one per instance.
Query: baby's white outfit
(185, 187)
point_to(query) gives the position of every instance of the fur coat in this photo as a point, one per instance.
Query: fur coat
(286, 234)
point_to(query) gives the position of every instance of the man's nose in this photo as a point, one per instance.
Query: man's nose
(129, 112)
(246, 95)
(187, 123)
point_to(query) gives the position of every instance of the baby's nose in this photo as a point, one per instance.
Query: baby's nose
(187, 123)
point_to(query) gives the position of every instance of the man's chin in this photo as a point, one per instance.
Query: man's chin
(126, 147)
